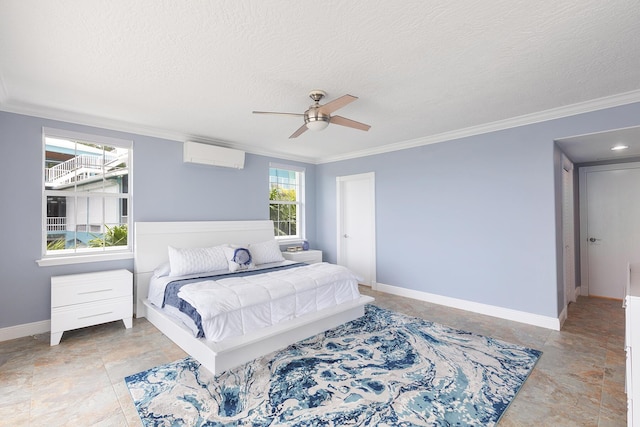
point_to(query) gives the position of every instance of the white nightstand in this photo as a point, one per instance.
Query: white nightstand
(311, 256)
(79, 300)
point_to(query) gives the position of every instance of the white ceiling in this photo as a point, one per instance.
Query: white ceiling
(425, 71)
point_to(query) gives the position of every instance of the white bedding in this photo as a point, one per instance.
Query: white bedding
(157, 284)
(234, 306)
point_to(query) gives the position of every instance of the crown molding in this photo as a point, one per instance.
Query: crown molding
(87, 120)
(132, 128)
(527, 119)
(127, 127)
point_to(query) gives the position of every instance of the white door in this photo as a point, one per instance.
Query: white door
(610, 227)
(356, 225)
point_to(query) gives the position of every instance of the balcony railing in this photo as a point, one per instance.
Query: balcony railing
(56, 223)
(80, 167)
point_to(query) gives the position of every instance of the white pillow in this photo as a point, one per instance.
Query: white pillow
(162, 270)
(239, 258)
(265, 252)
(196, 260)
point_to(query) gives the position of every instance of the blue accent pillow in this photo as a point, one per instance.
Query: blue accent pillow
(239, 258)
(242, 256)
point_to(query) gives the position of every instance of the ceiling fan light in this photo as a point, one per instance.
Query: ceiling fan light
(317, 125)
(316, 119)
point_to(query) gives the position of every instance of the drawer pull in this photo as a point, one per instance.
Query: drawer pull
(96, 291)
(95, 315)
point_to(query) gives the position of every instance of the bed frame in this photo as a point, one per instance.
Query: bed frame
(151, 241)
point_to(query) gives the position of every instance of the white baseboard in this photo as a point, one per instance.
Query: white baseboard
(475, 307)
(28, 329)
(563, 316)
(25, 330)
(577, 293)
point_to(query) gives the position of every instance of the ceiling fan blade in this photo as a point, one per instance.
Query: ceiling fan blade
(337, 103)
(339, 120)
(280, 114)
(302, 129)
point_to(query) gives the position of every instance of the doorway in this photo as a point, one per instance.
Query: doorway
(356, 225)
(609, 227)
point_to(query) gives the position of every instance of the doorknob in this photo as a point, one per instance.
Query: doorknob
(593, 239)
(346, 235)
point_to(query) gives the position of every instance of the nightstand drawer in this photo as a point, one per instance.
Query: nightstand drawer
(79, 300)
(81, 288)
(92, 313)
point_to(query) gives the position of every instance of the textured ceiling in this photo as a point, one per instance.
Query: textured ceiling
(422, 69)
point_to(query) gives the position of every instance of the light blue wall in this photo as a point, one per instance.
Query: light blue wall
(164, 189)
(475, 218)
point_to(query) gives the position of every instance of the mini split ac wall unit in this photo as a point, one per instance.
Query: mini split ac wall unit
(206, 154)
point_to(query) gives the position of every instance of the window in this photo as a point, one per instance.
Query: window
(286, 201)
(86, 194)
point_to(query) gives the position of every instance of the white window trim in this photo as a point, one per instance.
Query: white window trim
(79, 259)
(111, 254)
(88, 137)
(302, 230)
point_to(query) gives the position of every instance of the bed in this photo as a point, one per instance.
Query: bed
(152, 240)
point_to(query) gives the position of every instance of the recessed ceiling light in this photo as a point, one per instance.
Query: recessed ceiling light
(619, 147)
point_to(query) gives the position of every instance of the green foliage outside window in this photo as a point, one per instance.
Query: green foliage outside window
(56, 245)
(115, 236)
(283, 215)
(282, 194)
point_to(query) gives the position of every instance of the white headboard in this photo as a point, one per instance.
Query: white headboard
(151, 240)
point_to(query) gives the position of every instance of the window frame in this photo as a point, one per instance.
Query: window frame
(81, 255)
(300, 203)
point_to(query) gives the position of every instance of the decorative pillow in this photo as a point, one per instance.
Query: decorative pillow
(238, 258)
(219, 258)
(196, 260)
(266, 252)
(162, 270)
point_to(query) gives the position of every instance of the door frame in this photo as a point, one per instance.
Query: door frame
(340, 205)
(584, 258)
(568, 232)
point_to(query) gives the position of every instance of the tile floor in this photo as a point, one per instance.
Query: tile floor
(579, 380)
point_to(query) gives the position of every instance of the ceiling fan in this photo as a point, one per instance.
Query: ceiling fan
(318, 117)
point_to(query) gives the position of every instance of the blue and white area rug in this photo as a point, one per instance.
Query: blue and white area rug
(384, 369)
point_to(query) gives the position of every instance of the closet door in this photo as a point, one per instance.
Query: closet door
(356, 225)
(610, 230)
